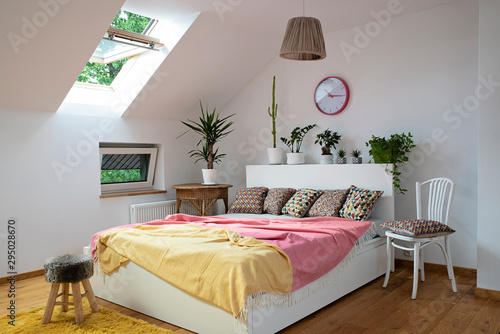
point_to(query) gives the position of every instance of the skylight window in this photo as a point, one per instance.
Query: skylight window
(113, 78)
(128, 36)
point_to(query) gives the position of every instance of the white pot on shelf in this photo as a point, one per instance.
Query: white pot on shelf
(326, 159)
(209, 176)
(275, 156)
(295, 158)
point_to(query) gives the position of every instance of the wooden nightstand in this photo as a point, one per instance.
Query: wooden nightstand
(202, 197)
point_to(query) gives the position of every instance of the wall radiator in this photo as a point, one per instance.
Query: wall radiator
(144, 212)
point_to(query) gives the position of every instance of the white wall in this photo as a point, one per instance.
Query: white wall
(406, 79)
(56, 217)
(488, 229)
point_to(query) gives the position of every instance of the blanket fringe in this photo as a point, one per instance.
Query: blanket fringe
(262, 299)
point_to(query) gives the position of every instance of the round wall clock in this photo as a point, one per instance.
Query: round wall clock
(331, 95)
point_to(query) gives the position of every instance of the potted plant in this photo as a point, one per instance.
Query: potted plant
(212, 129)
(274, 154)
(356, 157)
(294, 143)
(342, 156)
(392, 151)
(327, 139)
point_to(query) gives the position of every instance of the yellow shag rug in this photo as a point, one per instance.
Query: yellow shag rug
(105, 321)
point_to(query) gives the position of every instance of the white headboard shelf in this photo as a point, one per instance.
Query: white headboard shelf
(368, 176)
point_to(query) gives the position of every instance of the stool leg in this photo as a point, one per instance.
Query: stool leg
(90, 295)
(54, 289)
(77, 300)
(65, 297)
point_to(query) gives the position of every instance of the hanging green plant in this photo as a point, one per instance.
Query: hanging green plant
(392, 151)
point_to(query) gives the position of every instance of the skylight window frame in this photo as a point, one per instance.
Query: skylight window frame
(153, 44)
(138, 43)
(101, 101)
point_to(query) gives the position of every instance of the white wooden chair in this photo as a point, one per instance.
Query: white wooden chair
(438, 207)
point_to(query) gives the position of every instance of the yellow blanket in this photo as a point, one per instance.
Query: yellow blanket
(217, 265)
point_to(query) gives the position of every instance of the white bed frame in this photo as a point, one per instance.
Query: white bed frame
(138, 289)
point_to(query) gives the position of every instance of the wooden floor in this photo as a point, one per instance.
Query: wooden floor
(370, 309)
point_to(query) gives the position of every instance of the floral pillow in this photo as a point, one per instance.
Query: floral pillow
(276, 198)
(359, 203)
(418, 228)
(329, 203)
(300, 202)
(249, 200)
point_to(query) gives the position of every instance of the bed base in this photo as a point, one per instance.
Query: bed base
(136, 288)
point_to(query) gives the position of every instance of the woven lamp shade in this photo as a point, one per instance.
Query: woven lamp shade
(303, 39)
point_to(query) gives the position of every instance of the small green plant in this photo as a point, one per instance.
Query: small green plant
(392, 151)
(212, 129)
(327, 139)
(342, 153)
(273, 112)
(356, 153)
(296, 138)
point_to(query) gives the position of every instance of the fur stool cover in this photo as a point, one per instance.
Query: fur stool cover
(69, 268)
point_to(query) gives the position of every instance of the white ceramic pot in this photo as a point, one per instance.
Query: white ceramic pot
(326, 159)
(275, 156)
(295, 158)
(209, 176)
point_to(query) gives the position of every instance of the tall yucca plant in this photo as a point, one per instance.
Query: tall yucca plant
(212, 129)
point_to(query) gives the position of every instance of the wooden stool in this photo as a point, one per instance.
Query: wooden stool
(69, 269)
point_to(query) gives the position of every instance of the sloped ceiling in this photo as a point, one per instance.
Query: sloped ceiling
(52, 44)
(224, 49)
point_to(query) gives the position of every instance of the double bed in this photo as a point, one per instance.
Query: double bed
(134, 287)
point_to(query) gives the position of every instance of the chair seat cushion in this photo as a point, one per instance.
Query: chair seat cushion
(418, 228)
(68, 268)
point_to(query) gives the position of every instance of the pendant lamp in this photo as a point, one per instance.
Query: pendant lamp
(303, 39)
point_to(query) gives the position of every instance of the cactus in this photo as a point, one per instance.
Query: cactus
(274, 113)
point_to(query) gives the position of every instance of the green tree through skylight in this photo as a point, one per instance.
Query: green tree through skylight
(104, 74)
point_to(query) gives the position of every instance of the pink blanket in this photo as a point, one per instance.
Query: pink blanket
(314, 245)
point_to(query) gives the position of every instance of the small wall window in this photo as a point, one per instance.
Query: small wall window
(127, 168)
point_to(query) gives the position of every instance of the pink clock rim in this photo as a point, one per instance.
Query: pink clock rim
(348, 95)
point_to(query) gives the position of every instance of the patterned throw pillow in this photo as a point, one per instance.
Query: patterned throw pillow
(276, 198)
(300, 202)
(329, 203)
(359, 203)
(418, 228)
(249, 200)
